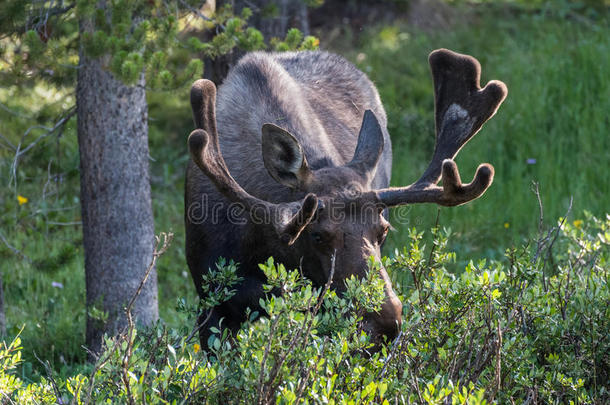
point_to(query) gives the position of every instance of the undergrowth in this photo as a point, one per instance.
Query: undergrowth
(531, 327)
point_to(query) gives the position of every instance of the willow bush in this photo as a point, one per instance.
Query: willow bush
(531, 327)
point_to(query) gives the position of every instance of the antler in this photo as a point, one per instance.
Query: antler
(461, 108)
(289, 219)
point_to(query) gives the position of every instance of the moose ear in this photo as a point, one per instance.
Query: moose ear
(369, 147)
(284, 158)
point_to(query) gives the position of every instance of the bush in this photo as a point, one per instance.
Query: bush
(532, 327)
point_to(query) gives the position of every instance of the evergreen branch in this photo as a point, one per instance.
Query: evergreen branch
(198, 13)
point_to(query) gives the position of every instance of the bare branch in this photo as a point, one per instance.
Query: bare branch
(50, 131)
(37, 22)
(308, 320)
(163, 242)
(49, 372)
(14, 249)
(389, 356)
(13, 112)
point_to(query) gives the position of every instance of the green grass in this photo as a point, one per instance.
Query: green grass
(556, 113)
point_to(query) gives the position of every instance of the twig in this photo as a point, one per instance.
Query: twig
(13, 112)
(416, 384)
(454, 361)
(557, 230)
(438, 215)
(158, 251)
(253, 6)
(7, 398)
(389, 356)
(541, 220)
(8, 142)
(547, 242)
(73, 223)
(50, 12)
(309, 319)
(329, 282)
(160, 248)
(14, 249)
(98, 366)
(150, 360)
(305, 374)
(261, 376)
(199, 14)
(20, 152)
(497, 381)
(50, 376)
(198, 326)
(44, 189)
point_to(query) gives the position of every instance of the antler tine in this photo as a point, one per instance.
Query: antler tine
(205, 148)
(203, 103)
(452, 193)
(289, 219)
(461, 106)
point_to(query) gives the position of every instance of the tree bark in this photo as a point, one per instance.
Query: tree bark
(118, 228)
(288, 14)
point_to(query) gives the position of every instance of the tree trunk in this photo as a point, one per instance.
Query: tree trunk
(118, 229)
(286, 14)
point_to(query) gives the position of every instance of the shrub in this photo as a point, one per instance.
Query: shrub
(532, 327)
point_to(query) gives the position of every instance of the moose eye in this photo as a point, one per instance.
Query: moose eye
(382, 235)
(317, 237)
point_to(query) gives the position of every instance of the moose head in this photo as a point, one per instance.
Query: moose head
(339, 214)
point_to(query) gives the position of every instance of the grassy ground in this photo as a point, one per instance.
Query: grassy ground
(556, 113)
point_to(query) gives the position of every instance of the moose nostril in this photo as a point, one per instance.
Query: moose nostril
(381, 327)
(392, 316)
(388, 320)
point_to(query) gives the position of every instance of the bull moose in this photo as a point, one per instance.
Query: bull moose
(291, 135)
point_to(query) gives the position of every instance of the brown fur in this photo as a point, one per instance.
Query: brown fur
(303, 137)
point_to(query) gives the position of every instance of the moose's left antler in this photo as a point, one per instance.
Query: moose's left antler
(461, 108)
(288, 219)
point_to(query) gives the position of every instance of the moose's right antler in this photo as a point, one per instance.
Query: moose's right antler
(461, 108)
(289, 219)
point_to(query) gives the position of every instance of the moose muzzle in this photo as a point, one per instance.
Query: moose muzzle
(385, 323)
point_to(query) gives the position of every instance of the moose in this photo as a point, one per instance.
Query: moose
(293, 136)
